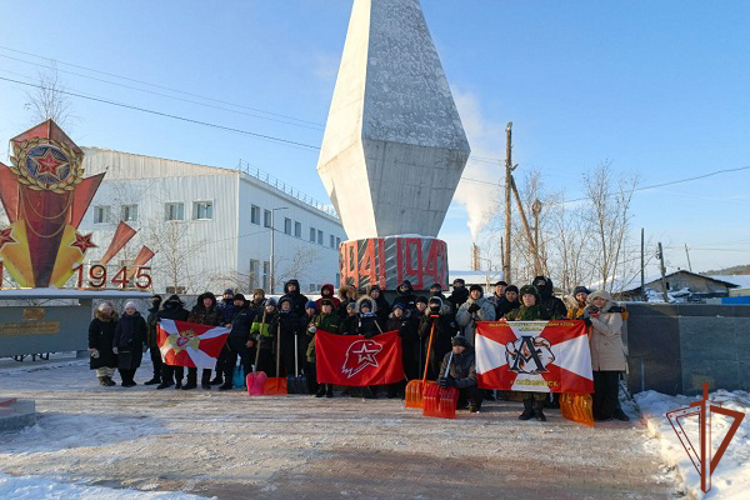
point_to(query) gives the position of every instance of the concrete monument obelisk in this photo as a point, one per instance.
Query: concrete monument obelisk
(394, 148)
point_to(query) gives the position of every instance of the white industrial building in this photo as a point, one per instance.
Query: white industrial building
(211, 227)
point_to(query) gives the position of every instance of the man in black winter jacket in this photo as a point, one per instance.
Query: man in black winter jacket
(552, 304)
(405, 295)
(462, 374)
(172, 309)
(153, 315)
(239, 342)
(292, 293)
(459, 295)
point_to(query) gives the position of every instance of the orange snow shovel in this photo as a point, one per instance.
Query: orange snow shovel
(276, 386)
(415, 388)
(577, 408)
(256, 381)
(438, 401)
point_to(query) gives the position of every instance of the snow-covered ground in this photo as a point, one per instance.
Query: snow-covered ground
(731, 479)
(116, 443)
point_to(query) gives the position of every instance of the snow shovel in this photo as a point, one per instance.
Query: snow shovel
(577, 408)
(256, 380)
(276, 386)
(438, 401)
(415, 388)
(297, 384)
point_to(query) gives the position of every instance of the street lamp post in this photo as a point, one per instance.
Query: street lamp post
(273, 234)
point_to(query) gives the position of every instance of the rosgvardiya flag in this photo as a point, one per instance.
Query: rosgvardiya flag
(534, 356)
(190, 344)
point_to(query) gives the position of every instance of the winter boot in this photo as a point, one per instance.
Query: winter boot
(103, 381)
(538, 411)
(165, 384)
(329, 391)
(528, 410)
(153, 381)
(218, 380)
(620, 415)
(473, 409)
(226, 386)
(321, 391)
(206, 380)
(190, 385)
(109, 381)
(178, 384)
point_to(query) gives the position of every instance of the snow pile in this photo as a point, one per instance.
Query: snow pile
(35, 488)
(731, 479)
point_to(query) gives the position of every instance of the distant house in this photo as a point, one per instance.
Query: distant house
(485, 279)
(683, 286)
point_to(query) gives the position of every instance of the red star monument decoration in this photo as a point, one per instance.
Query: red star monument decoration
(48, 164)
(5, 237)
(83, 243)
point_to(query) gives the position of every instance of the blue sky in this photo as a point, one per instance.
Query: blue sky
(658, 88)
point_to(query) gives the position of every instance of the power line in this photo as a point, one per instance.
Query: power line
(175, 117)
(157, 86)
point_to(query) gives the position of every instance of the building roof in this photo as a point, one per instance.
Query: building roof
(740, 280)
(651, 280)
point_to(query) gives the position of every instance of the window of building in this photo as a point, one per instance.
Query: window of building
(203, 210)
(312, 234)
(102, 214)
(267, 215)
(338, 242)
(129, 213)
(179, 290)
(254, 274)
(174, 211)
(287, 226)
(338, 279)
(255, 214)
(266, 272)
(297, 229)
(320, 237)
(312, 288)
(333, 241)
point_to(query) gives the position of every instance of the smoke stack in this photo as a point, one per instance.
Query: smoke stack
(475, 257)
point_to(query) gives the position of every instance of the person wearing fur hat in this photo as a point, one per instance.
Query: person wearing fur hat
(326, 292)
(476, 308)
(327, 321)
(258, 302)
(384, 308)
(348, 295)
(265, 338)
(531, 310)
(129, 342)
(366, 323)
(292, 292)
(462, 374)
(151, 319)
(577, 302)
(459, 295)
(405, 295)
(101, 336)
(407, 327)
(349, 322)
(290, 325)
(445, 328)
(548, 300)
(205, 312)
(173, 308)
(239, 343)
(607, 353)
(510, 303)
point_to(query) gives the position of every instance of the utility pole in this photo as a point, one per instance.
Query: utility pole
(502, 256)
(527, 229)
(508, 180)
(536, 209)
(687, 252)
(663, 274)
(643, 266)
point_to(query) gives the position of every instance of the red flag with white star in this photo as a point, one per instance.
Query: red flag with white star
(355, 360)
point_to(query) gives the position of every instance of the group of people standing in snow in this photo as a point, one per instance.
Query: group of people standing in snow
(262, 329)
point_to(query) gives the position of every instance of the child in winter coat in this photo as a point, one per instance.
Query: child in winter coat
(445, 328)
(406, 326)
(348, 295)
(101, 336)
(461, 373)
(476, 308)
(288, 324)
(327, 321)
(129, 343)
(172, 309)
(265, 338)
(239, 343)
(510, 303)
(205, 312)
(326, 292)
(577, 303)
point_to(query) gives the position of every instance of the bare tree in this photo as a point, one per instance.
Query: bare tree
(48, 100)
(177, 254)
(610, 195)
(296, 266)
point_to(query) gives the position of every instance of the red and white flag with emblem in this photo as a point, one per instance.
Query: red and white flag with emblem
(534, 356)
(355, 360)
(190, 344)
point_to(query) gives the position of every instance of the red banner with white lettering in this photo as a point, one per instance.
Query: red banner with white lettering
(355, 360)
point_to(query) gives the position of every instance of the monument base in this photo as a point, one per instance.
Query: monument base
(389, 261)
